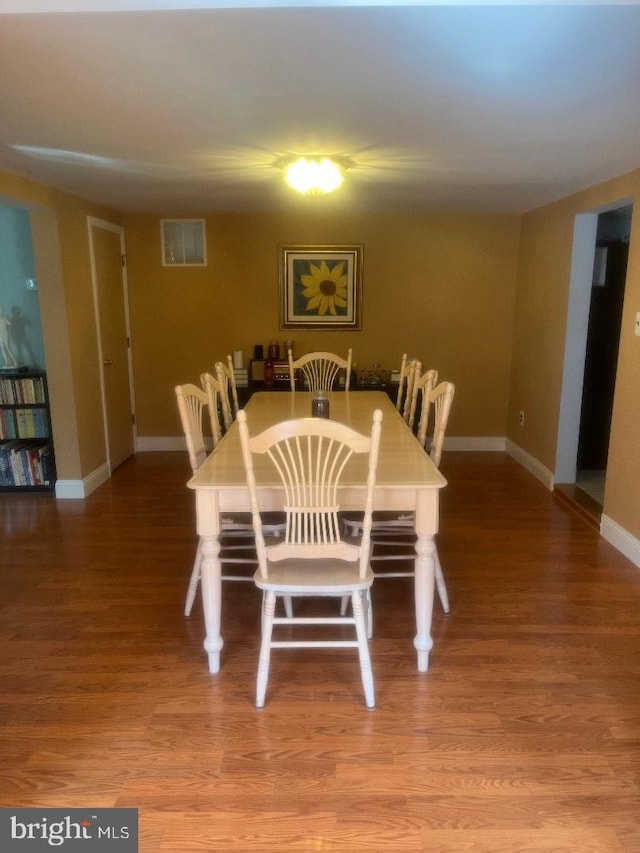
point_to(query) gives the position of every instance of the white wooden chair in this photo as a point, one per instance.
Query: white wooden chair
(393, 538)
(320, 369)
(192, 402)
(409, 376)
(217, 390)
(441, 398)
(226, 377)
(312, 560)
(409, 371)
(421, 387)
(214, 392)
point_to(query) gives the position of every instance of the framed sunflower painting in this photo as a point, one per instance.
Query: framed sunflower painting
(320, 287)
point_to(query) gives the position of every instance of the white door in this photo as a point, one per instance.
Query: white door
(110, 294)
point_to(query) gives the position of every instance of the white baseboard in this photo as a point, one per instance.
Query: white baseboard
(79, 489)
(617, 536)
(529, 462)
(620, 539)
(493, 443)
(70, 489)
(160, 443)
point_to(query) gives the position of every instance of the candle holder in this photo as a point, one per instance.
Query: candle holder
(320, 404)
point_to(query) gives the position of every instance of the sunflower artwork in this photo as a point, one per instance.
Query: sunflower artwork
(320, 287)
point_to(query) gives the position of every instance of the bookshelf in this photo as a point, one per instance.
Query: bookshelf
(26, 448)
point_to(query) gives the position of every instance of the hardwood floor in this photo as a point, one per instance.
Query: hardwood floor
(523, 736)
(580, 501)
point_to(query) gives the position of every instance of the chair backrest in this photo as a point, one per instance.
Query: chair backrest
(229, 393)
(409, 371)
(215, 401)
(310, 456)
(402, 383)
(320, 369)
(441, 398)
(191, 403)
(424, 383)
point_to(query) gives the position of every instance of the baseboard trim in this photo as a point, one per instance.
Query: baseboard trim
(529, 462)
(79, 489)
(620, 539)
(488, 443)
(159, 443)
(70, 489)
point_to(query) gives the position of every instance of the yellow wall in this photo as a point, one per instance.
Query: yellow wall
(441, 288)
(539, 341)
(61, 252)
(453, 290)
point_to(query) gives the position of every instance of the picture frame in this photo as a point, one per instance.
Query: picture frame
(320, 286)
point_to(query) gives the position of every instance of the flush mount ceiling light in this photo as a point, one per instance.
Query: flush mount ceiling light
(314, 175)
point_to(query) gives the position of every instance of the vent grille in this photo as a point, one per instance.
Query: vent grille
(183, 243)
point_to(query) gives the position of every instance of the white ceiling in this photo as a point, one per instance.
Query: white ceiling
(440, 107)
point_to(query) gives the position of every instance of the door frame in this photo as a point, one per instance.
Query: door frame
(94, 222)
(581, 279)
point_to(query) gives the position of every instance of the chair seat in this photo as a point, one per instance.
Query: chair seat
(323, 576)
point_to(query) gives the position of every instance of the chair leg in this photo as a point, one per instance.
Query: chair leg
(288, 606)
(440, 584)
(363, 648)
(344, 606)
(268, 613)
(193, 583)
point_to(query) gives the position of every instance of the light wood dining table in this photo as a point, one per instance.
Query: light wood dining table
(407, 481)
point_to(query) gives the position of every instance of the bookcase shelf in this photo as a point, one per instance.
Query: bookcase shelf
(27, 460)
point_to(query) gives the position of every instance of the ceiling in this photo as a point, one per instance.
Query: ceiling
(442, 107)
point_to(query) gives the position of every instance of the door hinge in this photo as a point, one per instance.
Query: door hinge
(133, 419)
(124, 260)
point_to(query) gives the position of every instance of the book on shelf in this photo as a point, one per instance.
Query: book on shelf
(46, 462)
(26, 452)
(24, 464)
(22, 422)
(15, 390)
(5, 474)
(17, 467)
(7, 424)
(31, 423)
(7, 392)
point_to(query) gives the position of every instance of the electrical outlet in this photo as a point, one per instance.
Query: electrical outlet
(521, 418)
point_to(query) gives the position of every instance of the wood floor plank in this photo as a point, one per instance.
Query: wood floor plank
(523, 737)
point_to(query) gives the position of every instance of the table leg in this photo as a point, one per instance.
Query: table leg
(424, 582)
(211, 582)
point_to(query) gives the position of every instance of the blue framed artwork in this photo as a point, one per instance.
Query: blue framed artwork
(320, 287)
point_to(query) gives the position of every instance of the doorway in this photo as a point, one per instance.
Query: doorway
(601, 359)
(598, 278)
(106, 243)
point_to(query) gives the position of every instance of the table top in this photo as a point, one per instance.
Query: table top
(402, 461)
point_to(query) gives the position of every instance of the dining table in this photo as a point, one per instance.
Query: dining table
(406, 481)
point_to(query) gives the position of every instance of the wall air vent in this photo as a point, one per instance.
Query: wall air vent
(183, 243)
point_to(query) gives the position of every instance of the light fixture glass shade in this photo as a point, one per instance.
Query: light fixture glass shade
(314, 176)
